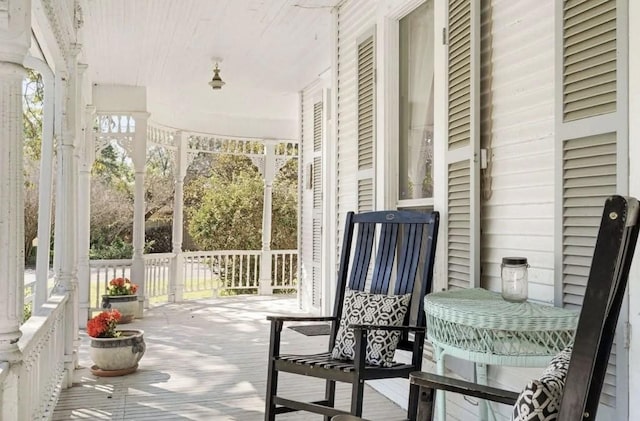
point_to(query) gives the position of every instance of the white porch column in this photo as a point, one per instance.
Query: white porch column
(139, 163)
(15, 37)
(66, 216)
(265, 259)
(177, 276)
(87, 157)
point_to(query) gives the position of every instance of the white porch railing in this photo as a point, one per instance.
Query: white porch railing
(102, 271)
(199, 274)
(221, 271)
(157, 272)
(42, 370)
(284, 270)
(41, 375)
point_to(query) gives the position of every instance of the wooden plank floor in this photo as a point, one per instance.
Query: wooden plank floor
(205, 360)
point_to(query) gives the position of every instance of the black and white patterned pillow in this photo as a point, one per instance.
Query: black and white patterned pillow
(540, 399)
(374, 309)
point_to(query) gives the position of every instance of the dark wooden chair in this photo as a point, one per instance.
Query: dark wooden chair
(606, 284)
(406, 243)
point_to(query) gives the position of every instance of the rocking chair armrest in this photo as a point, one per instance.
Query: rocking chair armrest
(434, 381)
(301, 318)
(420, 329)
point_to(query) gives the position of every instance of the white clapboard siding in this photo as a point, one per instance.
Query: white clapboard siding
(354, 20)
(592, 122)
(310, 195)
(517, 125)
(463, 201)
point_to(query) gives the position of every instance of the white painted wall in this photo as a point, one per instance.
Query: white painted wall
(634, 190)
(517, 102)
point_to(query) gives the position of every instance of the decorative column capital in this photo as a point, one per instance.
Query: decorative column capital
(9, 70)
(74, 49)
(15, 30)
(140, 115)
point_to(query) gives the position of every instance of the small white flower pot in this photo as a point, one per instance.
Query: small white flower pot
(127, 305)
(117, 356)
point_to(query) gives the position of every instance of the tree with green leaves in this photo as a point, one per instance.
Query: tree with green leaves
(225, 210)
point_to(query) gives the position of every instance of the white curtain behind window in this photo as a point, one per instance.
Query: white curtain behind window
(416, 108)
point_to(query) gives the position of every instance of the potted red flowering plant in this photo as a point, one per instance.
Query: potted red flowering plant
(104, 325)
(121, 295)
(114, 352)
(121, 286)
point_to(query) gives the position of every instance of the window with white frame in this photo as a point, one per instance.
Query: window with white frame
(416, 65)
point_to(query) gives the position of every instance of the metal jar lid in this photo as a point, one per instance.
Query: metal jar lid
(514, 260)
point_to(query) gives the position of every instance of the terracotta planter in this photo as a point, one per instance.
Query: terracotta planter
(117, 356)
(127, 305)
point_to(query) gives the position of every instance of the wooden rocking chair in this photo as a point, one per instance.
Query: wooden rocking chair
(607, 281)
(406, 243)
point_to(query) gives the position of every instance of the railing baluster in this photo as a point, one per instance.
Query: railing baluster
(203, 272)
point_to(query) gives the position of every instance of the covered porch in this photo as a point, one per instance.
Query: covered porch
(205, 360)
(511, 119)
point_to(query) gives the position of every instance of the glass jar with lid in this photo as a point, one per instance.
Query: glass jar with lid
(515, 283)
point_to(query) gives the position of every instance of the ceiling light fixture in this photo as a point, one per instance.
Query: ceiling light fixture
(216, 81)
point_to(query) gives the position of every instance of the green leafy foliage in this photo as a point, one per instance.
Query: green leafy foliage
(225, 210)
(229, 213)
(115, 248)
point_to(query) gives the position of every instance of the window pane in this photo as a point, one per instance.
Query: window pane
(416, 104)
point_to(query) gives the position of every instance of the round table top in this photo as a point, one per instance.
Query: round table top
(480, 308)
(479, 325)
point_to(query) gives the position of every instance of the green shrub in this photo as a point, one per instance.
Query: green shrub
(118, 249)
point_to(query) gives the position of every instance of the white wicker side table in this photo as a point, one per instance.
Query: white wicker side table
(479, 326)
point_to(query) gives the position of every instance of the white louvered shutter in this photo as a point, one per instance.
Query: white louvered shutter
(317, 207)
(463, 142)
(592, 132)
(366, 122)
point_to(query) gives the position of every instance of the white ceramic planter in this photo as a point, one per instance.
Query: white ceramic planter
(127, 305)
(116, 356)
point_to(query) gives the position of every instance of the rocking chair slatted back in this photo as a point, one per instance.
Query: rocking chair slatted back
(402, 239)
(384, 252)
(603, 298)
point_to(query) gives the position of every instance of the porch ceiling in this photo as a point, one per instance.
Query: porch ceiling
(270, 50)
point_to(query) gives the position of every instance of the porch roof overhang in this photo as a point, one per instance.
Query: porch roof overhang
(269, 51)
